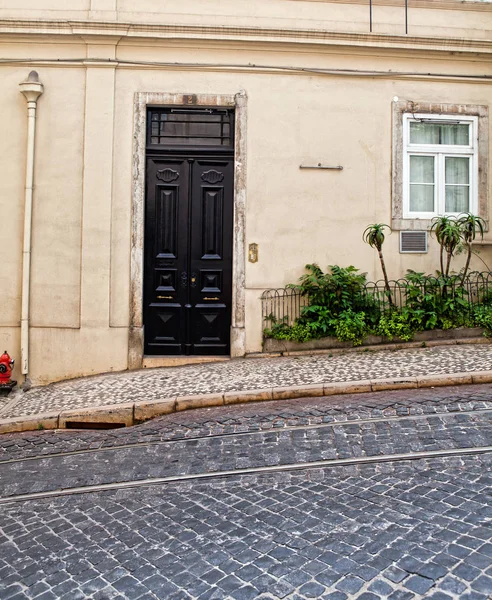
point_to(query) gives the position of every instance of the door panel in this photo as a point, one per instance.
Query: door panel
(188, 255)
(165, 293)
(167, 221)
(209, 320)
(164, 320)
(212, 225)
(211, 254)
(211, 281)
(166, 280)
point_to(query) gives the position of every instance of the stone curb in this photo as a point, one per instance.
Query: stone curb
(134, 413)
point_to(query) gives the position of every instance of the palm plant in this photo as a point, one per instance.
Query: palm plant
(374, 236)
(448, 234)
(470, 225)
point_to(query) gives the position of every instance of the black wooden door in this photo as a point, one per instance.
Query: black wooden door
(188, 254)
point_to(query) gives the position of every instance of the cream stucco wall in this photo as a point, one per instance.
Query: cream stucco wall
(93, 66)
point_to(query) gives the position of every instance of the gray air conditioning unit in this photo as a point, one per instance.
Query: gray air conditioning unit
(413, 242)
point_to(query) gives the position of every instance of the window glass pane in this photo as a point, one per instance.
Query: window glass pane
(454, 134)
(421, 198)
(424, 133)
(421, 169)
(457, 134)
(457, 169)
(457, 198)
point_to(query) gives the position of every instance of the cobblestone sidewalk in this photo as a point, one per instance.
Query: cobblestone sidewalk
(247, 374)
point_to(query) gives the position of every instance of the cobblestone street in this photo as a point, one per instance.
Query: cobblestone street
(370, 496)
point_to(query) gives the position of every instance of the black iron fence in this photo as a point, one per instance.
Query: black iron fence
(285, 304)
(282, 305)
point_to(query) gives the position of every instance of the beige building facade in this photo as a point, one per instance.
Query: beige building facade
(401, 120)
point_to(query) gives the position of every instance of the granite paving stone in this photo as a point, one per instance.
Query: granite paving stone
(185, 457)
(169, 514)
(401, 529)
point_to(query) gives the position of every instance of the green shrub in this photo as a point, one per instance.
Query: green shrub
(282, 331)
(482, 317)
(434, 302)
(343, 288)
(351, 326)
(340, 306)
(396, 324)
(318, 319)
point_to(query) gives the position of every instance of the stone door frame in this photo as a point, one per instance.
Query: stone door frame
(142, 100)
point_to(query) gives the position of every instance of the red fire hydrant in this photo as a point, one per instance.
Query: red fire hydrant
(6, 366)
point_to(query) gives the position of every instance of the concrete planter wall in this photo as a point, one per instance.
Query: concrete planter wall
(271, 345)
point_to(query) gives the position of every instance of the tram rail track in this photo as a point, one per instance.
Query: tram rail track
(272, 430)
(204, 476)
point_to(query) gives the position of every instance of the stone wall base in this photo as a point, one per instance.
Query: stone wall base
(271, 345)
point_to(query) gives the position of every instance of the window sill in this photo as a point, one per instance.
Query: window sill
(425, 225)
(411, 224)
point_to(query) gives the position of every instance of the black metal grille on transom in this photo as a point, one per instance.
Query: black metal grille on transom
(184, 127)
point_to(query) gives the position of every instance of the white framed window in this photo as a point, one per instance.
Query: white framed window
(440, 165)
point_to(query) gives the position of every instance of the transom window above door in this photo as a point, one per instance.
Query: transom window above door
(440, 165)
(199, 127)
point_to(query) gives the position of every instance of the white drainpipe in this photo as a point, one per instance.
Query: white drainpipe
(32, 88)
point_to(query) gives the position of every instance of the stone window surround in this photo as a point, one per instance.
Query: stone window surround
(142, 100)
(406, 106)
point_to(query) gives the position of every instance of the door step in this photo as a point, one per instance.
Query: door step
(152, 362)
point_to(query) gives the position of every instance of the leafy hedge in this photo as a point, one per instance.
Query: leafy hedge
(339, 305)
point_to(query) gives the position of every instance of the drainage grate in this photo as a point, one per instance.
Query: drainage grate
(88, 425)
(413, 242)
